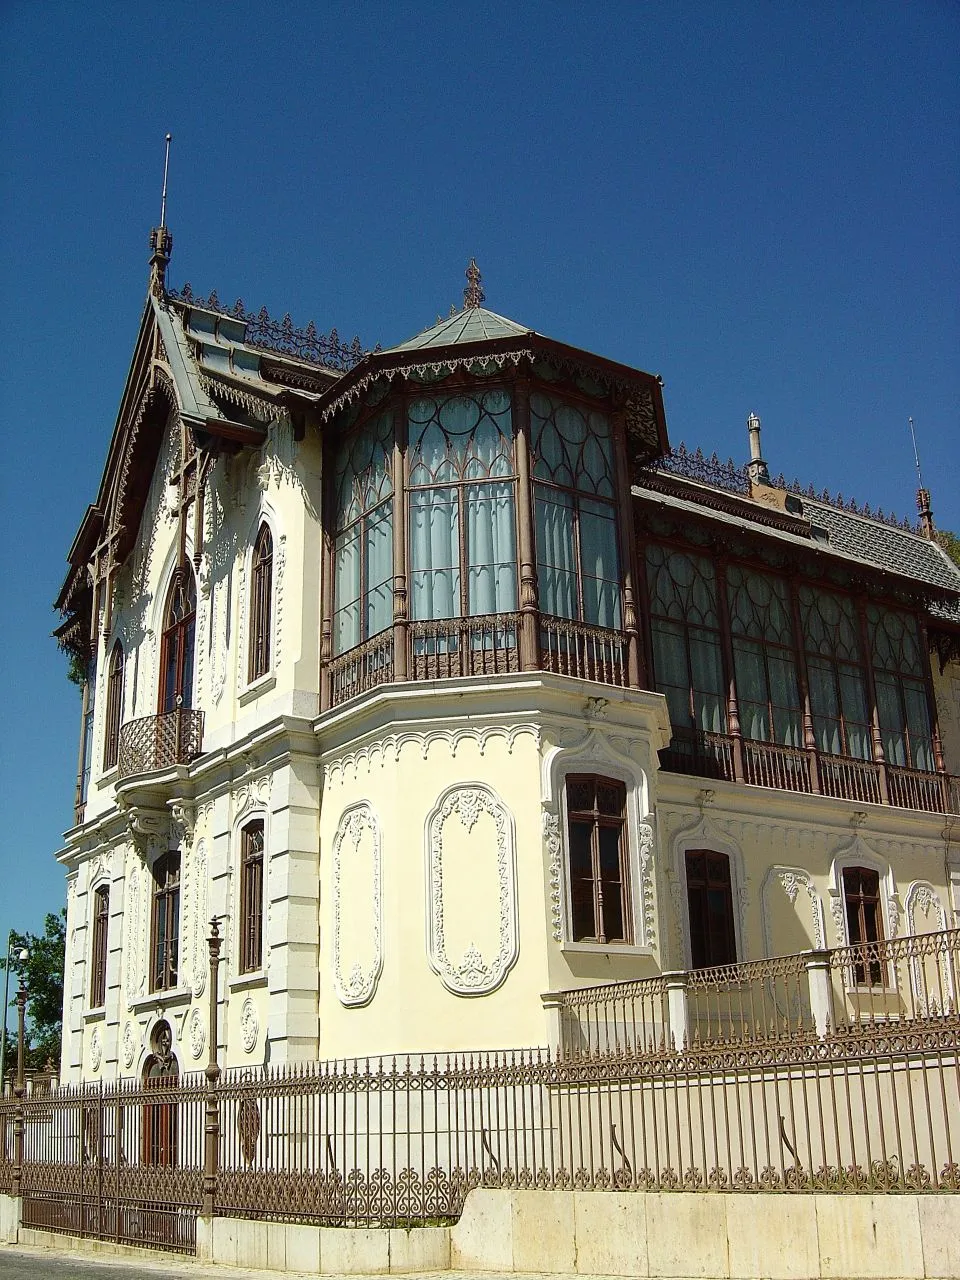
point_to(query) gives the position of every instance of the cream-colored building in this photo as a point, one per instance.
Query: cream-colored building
(432, 676)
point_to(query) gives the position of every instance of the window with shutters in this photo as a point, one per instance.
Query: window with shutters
(599, 878)
(710, 906)
(251, 897)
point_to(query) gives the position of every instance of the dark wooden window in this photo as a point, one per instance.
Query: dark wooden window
(165, 923)
(111, 737)
(251, 898)
(861, 901)
(710, 904)
(98, 957)
(176, 656)
(764, 659)
(599, 878)
(899, 677)
(161, 1073)
(260, 605)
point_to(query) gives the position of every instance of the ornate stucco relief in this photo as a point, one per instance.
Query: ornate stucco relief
(923, 899)
(249, 1025)
(386, 751)
(279, 567)
(647, 905)
(198, 912)
(128, 1046)
(855, 852)
(133, 951)
(793, 882)
(96, 1049)
(196, 1034)
(553, 844)
(356, 985)
(472, 974)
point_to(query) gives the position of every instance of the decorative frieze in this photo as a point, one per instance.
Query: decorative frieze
(385, 751)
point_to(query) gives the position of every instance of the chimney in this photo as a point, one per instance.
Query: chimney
(756, 467)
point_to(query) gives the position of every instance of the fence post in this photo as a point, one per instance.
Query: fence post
(211, 1127)
(18, 1092)
(820, 988)
(678, 1009)
(552, 1002)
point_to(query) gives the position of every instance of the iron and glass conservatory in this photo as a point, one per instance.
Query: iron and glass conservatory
(477, 510)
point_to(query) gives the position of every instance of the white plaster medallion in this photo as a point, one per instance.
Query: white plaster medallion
(96, 1049)
(196, 1035)
(249, 1026)
(128, 1046)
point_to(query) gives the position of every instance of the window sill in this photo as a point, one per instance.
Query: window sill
(253, 691)
(166, 996)
(605, 948)
(108, 778)
(244, 981)
(96, 1014)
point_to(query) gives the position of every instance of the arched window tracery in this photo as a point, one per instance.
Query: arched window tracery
(898, 674)
(839, 702)
(764, 660)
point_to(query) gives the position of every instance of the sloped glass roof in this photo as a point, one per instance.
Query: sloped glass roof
(473, 324)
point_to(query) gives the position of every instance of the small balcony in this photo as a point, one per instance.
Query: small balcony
(158, 742)
(489, 644)
(767, 764)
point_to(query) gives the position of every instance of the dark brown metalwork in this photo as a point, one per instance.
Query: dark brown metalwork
(159, 742)
(485, 645)
(576, 649)
(473, 295)
(282, 336)
(211, 1121)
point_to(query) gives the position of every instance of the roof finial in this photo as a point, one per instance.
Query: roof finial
(923, 495)
(473, 295)
(756, 467)
(161, 241)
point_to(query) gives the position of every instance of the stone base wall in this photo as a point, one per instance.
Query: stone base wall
(715, 1236)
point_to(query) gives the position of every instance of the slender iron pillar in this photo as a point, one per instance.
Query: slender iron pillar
(18, 1091)
(211, 1126)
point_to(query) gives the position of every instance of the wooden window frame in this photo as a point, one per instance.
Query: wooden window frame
(708, 951)
(114, 717)
(863, 915)
(261, 605)
(165, 948)
(98, 952)
(251, 896)
(597, 821)
(179, 633)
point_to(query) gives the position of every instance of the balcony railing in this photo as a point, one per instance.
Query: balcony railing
(481, 646)
(157, 742)
(768, 764)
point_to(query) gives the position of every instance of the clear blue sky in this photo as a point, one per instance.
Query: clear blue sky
(757, 201)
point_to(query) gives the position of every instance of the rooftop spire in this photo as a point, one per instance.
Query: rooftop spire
(923, 495)
(473, 295)
(161, 241)
(756, 467)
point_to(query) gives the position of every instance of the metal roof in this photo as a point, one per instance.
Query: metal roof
(472, 324)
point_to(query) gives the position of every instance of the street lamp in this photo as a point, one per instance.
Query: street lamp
(22, 957)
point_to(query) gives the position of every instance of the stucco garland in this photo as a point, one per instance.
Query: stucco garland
(472, 974)
(358, 987)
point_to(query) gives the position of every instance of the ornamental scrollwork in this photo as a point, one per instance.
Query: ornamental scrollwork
(358, 985)
(472, 974)
(551, 839)
(648, 915)
(249, 1026)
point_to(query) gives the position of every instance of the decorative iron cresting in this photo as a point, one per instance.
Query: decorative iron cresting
(268, 334)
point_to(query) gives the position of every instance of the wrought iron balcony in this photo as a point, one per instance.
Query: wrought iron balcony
(489, 644)
(767, 764)
(157, 742)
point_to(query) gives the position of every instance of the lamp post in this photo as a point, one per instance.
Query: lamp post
(18, 1091)
(22, 957)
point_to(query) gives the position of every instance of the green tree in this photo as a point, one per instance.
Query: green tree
(950, 543)
(43, 978)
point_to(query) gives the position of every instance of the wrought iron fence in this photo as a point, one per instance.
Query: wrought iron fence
(117, 1161)
(157, 742)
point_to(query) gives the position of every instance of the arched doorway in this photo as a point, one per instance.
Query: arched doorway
(161, 1072)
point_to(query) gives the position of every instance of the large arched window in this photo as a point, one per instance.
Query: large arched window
(763, 657)
(901, 691)
(578, 562)
(111, 737)
(363, 546)
(687, 647)
(838, 687)
(179, 628)
(463, 542)
(260, 605)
